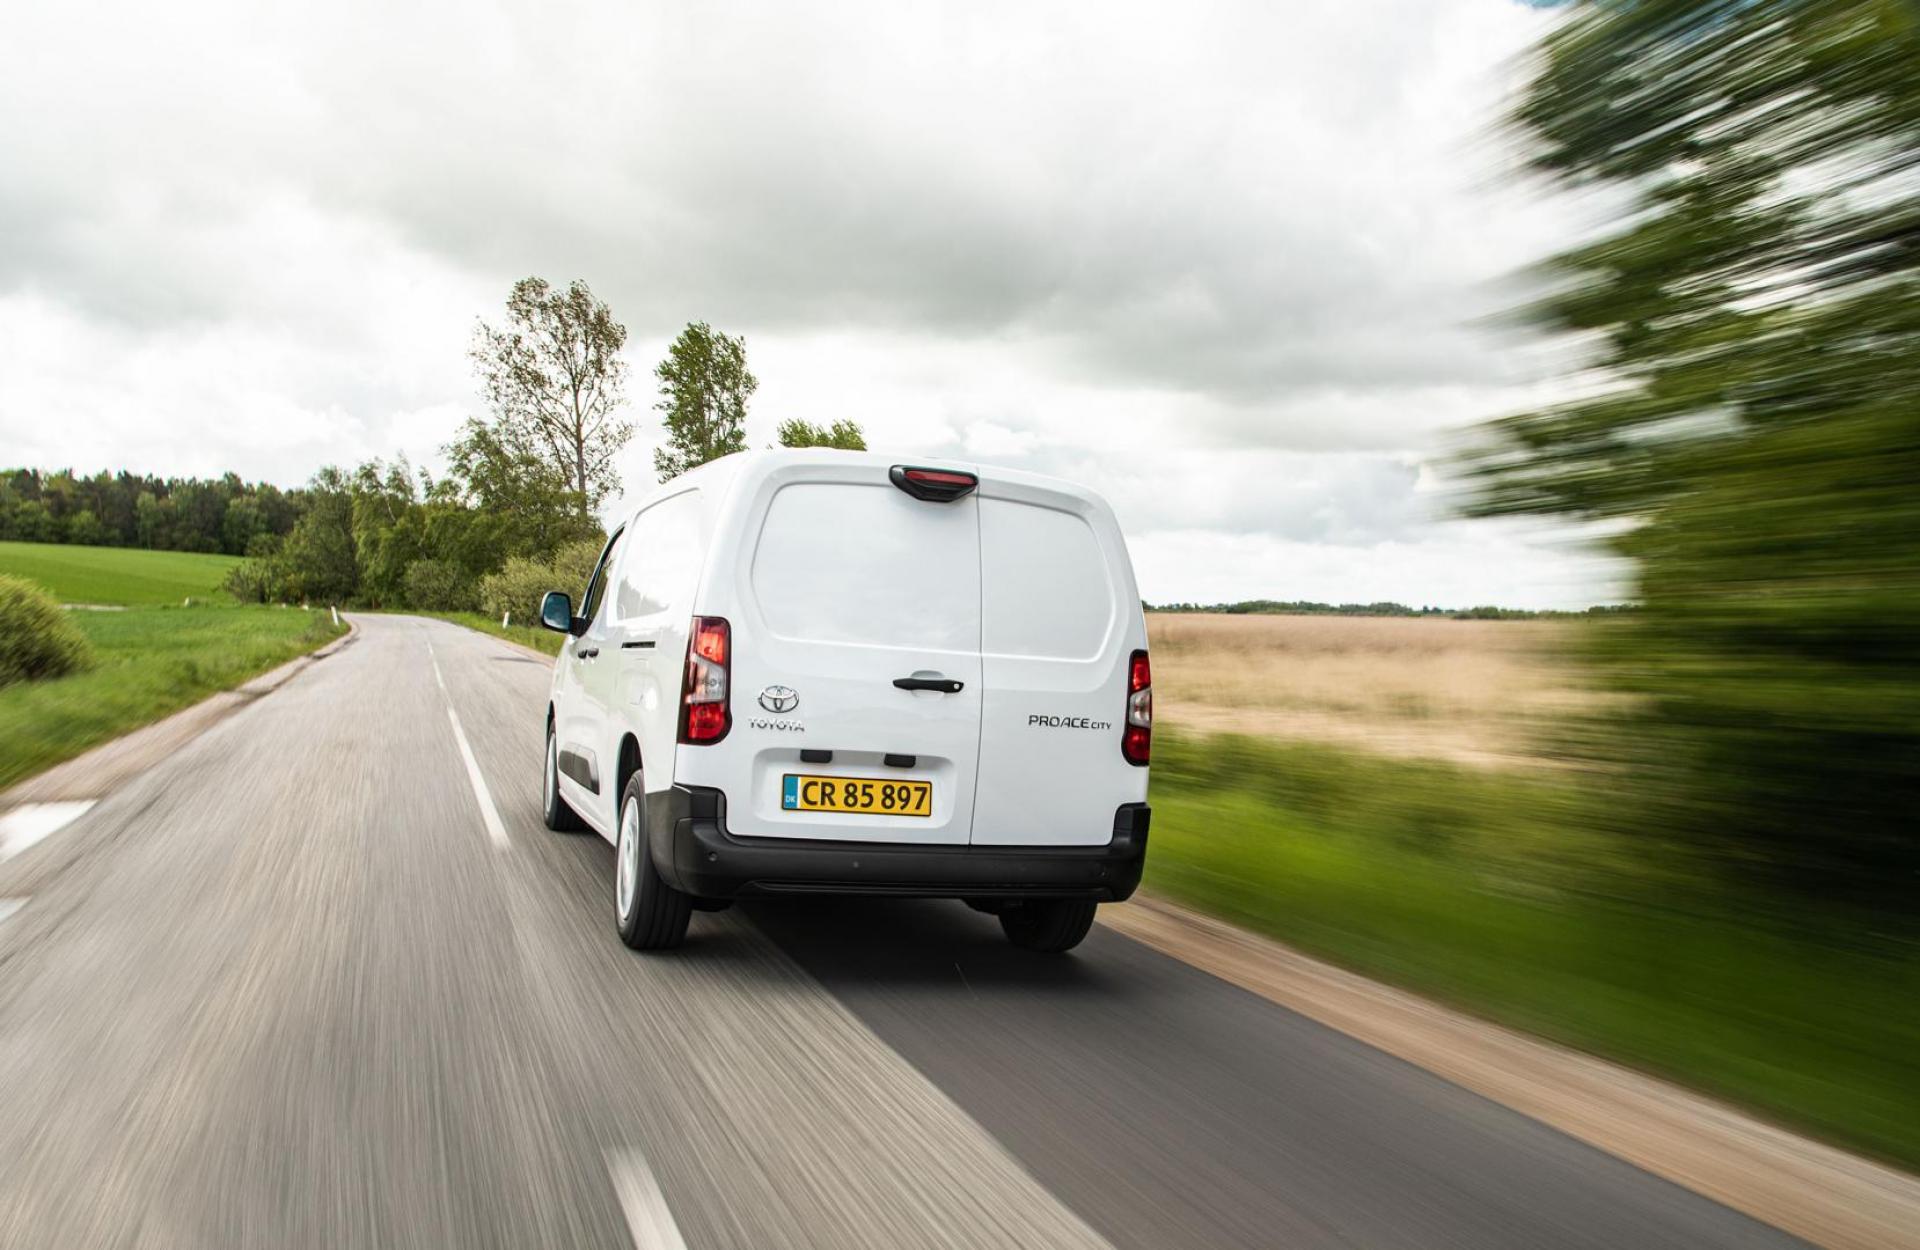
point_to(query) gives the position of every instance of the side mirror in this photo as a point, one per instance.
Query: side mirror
(556, 612)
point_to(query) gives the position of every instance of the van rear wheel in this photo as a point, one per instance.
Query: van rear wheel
(1050, 925)
(651, 914)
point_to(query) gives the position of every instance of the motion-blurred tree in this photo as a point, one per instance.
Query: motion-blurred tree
(555, 380)
(1754, 432)
(704, 389)
(844, 434)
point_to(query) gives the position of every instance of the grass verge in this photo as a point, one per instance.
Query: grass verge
(150, 661)
(1481, 890)
(117, 574)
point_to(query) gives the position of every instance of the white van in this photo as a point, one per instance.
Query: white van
(827, 672)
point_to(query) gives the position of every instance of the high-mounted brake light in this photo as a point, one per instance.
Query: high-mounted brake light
(938, 485)
(705, 713)
(1136, 739)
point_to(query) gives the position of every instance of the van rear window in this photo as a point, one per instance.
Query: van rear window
(1047, 589)
(851, 563)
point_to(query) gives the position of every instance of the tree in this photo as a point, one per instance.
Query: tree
(1755, 440)
(524, 504)
(84, 529)
(386, 529)
(843, 434)
(153, 520)
(320, 557)
(704, 388)
(555, 381)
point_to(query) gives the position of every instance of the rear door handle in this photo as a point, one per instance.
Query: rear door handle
(945, 685)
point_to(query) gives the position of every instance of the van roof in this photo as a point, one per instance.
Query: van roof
(751, 465)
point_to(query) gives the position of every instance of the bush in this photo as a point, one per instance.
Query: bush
(437, 586)
(573, 565)
(518, 587)
(36, 638)
(255, 581)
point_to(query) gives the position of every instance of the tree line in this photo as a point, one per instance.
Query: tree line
(125, 509)
(515, 509)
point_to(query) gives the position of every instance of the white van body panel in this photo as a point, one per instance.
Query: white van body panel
(1061, 621)
(580, 719)
(834, 583)
(651, 599)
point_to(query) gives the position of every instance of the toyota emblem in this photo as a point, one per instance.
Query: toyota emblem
(779, 699)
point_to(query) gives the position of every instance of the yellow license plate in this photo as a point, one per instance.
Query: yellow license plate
(865, 796)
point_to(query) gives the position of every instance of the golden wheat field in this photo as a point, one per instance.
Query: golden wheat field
(1479, 692)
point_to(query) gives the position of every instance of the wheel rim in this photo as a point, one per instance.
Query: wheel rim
(626, 872)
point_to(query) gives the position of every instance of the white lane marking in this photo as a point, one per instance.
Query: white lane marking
(435, 661)
(648, 1218)
(488, 813)
(8, 906)
(30, 822)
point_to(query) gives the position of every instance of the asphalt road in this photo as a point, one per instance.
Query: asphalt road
(290, 989)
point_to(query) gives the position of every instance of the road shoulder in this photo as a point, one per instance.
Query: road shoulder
(101, 769)
(1814, 1191)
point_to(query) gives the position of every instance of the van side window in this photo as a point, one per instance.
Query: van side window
(660, 561)
(597, 584)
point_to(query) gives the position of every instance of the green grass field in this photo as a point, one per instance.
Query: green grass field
(149, 661)
(117, 575)
(1477, 889)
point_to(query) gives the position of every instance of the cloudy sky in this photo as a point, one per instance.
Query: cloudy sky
(1222, 261)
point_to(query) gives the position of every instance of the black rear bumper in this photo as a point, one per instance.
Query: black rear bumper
(694, 852)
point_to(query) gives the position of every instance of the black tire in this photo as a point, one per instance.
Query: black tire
(559, 817)
(1050, 925)
(657, 914)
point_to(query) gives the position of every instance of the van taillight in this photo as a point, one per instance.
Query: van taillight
(1136, 740)
(704, 711)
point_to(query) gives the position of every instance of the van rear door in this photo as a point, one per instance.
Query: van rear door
(1060, 623)
(852, 586)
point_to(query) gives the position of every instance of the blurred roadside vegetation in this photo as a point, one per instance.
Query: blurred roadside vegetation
(1510, 895)
(1747, 428)
(1308, 607)
(1721, 883)
(37, 641)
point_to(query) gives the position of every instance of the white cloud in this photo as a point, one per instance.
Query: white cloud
(1221, 262)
